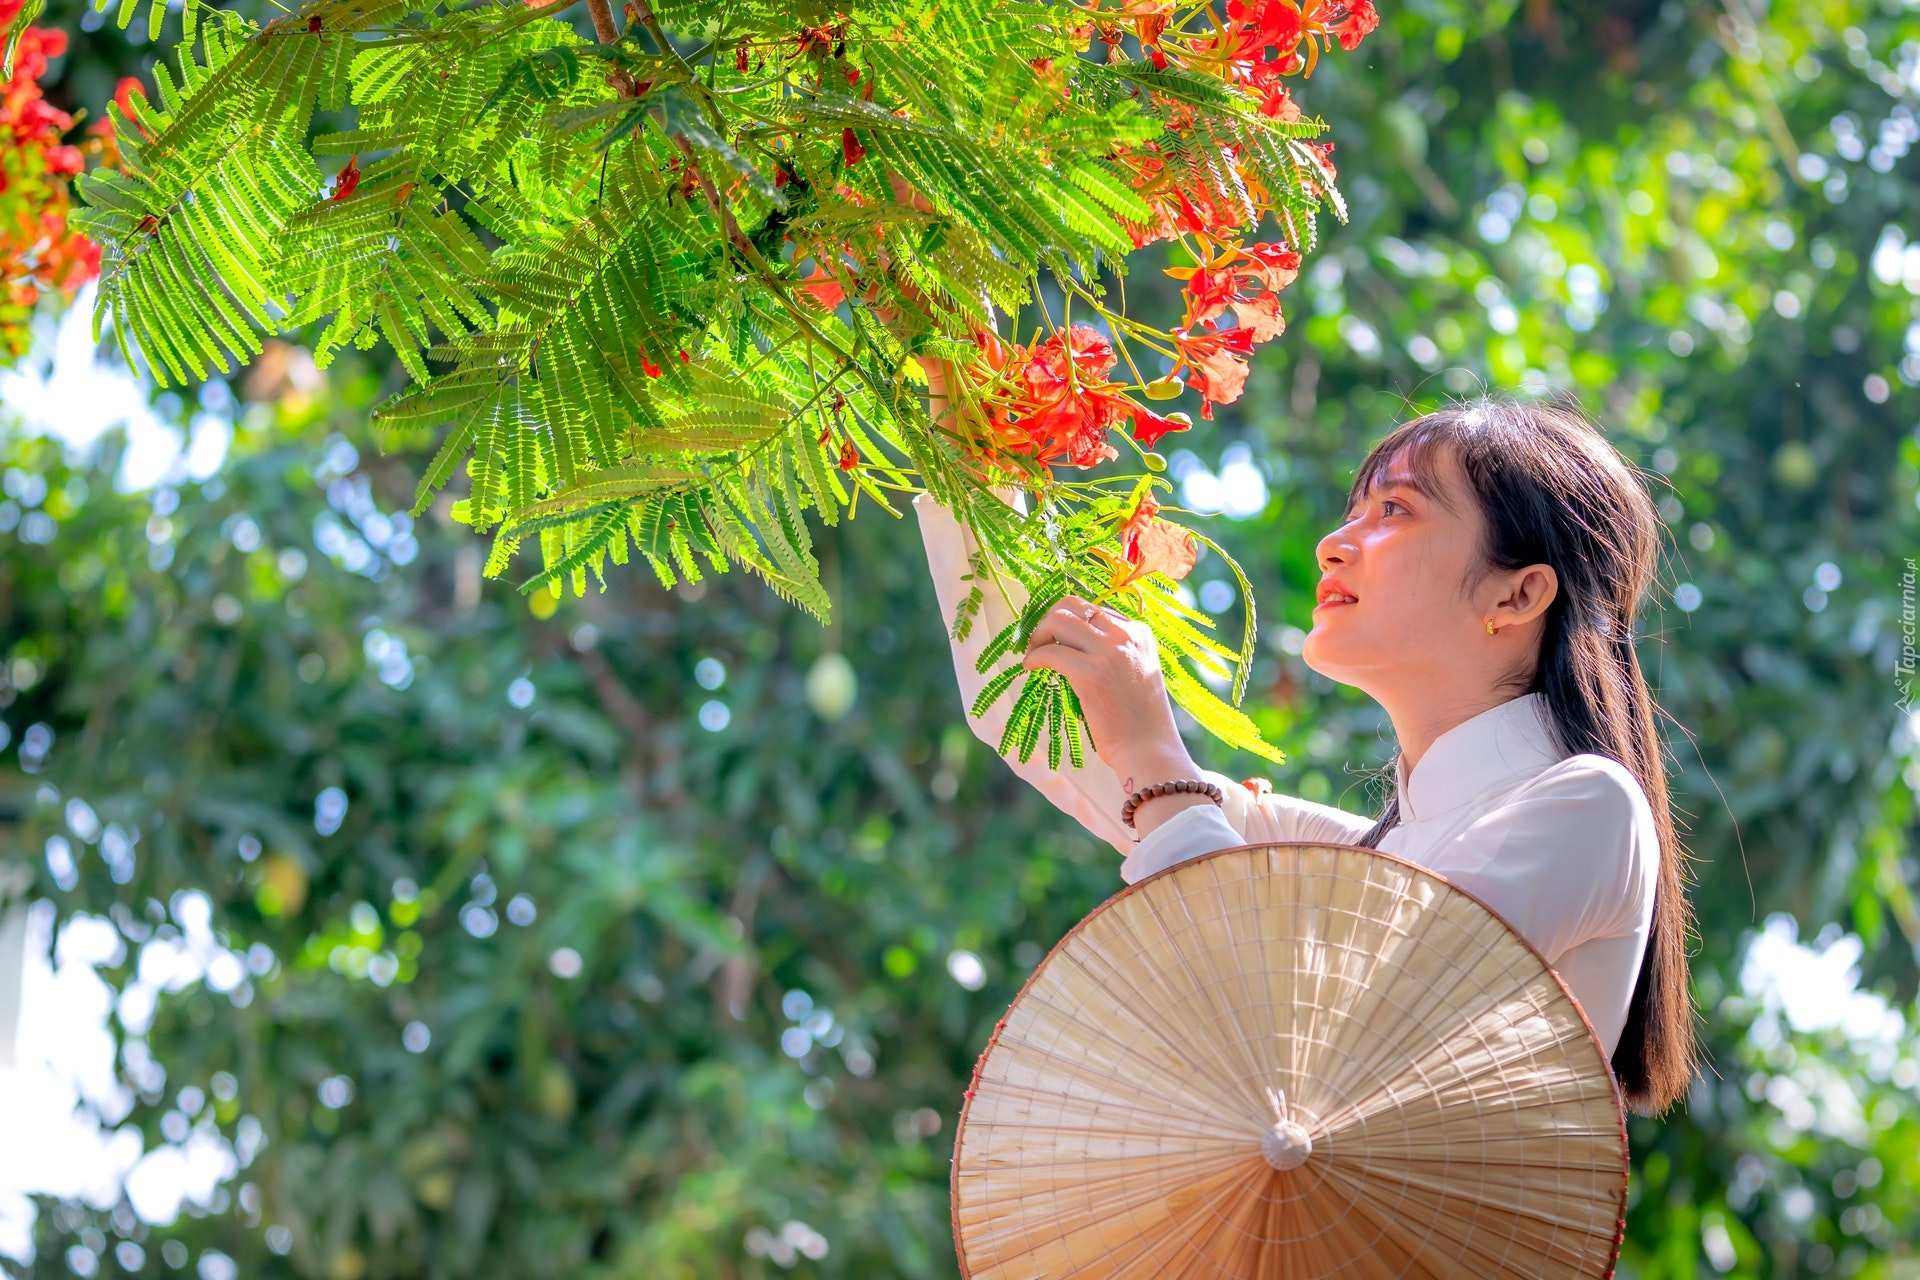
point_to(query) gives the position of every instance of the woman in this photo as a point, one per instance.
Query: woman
(1483, 590)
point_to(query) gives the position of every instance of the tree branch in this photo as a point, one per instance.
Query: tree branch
(643, 13)
(606, 31)
(604, 28)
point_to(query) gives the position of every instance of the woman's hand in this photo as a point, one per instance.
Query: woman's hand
(1113, 664)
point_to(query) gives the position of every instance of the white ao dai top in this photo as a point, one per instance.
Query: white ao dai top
(1562, 846)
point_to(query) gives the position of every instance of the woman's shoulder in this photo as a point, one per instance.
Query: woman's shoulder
(1597, 802)
(1598, 780)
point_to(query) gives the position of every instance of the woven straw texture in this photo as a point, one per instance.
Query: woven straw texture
(1461, 1117)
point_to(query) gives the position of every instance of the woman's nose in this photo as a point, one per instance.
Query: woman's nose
(1334, 549)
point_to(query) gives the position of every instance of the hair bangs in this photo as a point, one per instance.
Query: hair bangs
(1407, 456)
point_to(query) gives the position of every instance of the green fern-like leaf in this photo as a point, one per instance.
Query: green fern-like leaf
(677, 292)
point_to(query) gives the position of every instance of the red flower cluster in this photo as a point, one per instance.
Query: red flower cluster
(30, 121)
(1248, 282)
(1063, 405)
(1264, 37)
(1054, 403)
(1180, 206)
(1261, 41)
(37, 251)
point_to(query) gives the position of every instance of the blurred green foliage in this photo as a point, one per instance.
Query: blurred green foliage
(758, 857)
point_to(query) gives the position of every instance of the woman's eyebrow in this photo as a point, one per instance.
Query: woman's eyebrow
(1402, 480)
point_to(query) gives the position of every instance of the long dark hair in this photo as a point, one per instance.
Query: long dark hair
(1554, 491)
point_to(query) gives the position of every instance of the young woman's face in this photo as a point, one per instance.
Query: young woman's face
(1395, 603)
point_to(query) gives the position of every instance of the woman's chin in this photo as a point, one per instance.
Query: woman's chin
(1330, 654)
(1320, 652)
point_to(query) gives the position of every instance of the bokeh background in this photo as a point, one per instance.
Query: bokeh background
(390, 922)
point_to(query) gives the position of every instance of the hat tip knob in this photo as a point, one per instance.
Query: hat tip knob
(1286, 1146)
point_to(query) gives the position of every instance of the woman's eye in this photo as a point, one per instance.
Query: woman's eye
(1390, 503)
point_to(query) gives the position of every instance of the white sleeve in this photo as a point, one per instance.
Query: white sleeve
(1091, 794)
(1268, 817)
(1243, 817)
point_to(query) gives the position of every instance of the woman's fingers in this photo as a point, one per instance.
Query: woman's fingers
(1072, 623)
(1082, 670)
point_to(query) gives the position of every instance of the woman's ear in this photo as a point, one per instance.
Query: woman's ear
(1528, 594)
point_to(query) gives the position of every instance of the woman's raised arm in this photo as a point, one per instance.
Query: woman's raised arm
(1091, 794)
(1115, 671)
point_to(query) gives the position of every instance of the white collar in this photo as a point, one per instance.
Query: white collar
(1508, 742)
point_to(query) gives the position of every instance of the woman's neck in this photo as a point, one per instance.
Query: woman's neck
(1418, 721)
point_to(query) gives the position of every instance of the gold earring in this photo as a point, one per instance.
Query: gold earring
(1489, 626)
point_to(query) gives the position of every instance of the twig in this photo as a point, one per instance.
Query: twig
(728, 226)
(638, 727)
(643, 13)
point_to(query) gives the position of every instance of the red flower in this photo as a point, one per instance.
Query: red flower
(822, 289)
(849, 456)
(1245, 279)
(1149, 427)
(1276, 104)
(1271, 29)
(1153, 545)
(815, 40)
(39, 253)
(1148, 18)
(348, 180)
(1209, 292)
(123, 94)
(53, 41)
(85, 263)
(1069, 409)
(1054, 402)
(740, 59)
(648, 367)
(1219, 364)
(850, 148)
(1349, 20)
(37, 46)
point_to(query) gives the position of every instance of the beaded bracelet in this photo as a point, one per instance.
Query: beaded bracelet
(1188, 786)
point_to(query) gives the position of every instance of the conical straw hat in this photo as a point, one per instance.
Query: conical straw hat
(1291, 1061)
